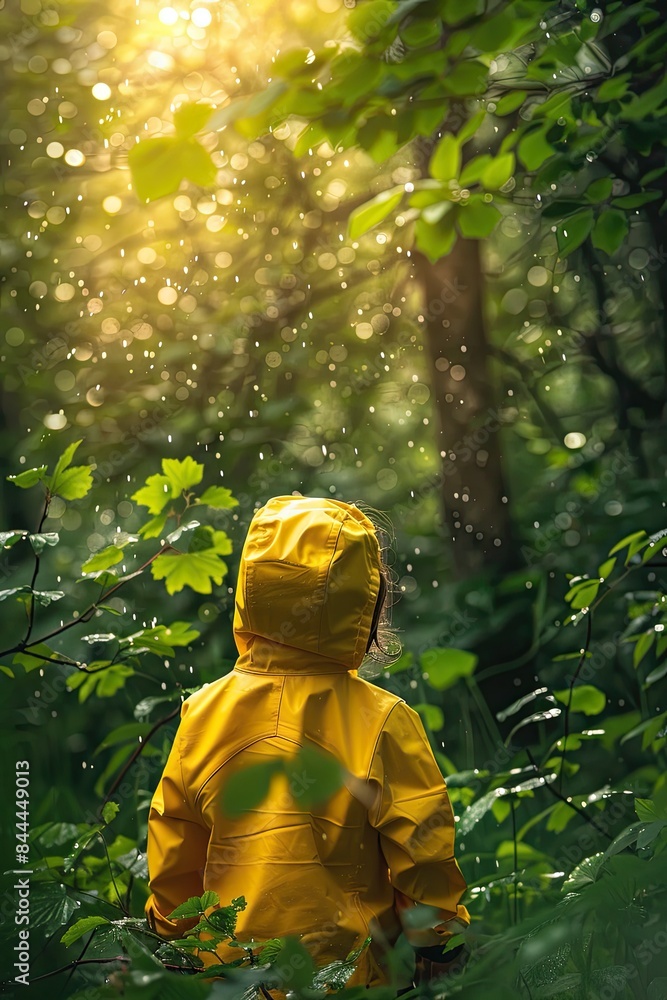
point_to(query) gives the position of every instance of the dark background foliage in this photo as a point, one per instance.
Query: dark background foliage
(410, 253)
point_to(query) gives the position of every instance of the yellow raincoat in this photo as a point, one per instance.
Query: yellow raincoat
(307, 589)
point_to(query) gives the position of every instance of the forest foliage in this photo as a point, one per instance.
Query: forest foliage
(219, 280)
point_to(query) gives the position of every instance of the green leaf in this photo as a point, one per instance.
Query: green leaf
(247, 107)
(372, 212)
(610, 230)
(270, 950)
(46, 597)
(224, 919)
(571, 233)
(82, 927)
(476, 218)
(9, 538)
(104, 681)
(199, 567)
(181, 474)
(466, 79)
(606, 568)
(109, 811)
(600, 189)
(65, 459)
(174, 535)
(190, 118)
(534, 149)
(613, 88)
(499, 171)
(585, 698)
(204, 538)
(584, 874)
(510, 102)
(442, 668)
(642, 646)
(154, 527)
(72, 484)
(103, 559)
(246, 789)
(50, 906)
(474, 169)
(650, 811)
(218, 497)
(435, 239)
(432, 716)
(445, 162)
(656, 675)
(636, 200)
(35, 662)
(159, 165)
(314, 775)
(40, 541)
(4, 594)
(195, 906)
(129, 731)
(634, 542)
(154, 495)
(583, 594)
(295, 965)
(162, 639)
(28, 478)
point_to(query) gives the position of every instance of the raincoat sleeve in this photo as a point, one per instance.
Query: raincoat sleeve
(177, 846)
(413, 816)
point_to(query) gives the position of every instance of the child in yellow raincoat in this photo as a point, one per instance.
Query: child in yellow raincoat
(310, 593)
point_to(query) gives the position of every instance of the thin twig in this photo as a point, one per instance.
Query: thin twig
(77, 962)
(566, 717)
(31, 616)
(136, 752)
(568, 802)
(90, 610)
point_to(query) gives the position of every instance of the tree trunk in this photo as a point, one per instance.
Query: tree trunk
(476, 507)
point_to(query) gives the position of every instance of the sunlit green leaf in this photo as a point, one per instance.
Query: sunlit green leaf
(498, 171)
(82, 927)
(109, 811)
(181, 474)
(585, 698)
(373, 212)
(534, 148)
(442, 668)
(190, 118)
(103, 559)
(28, 478)
(154, 495)
(432, 715)
(197, 570)
(445, 162)
(218, 497)
(436, 239)
(154, 527)
(477, 218)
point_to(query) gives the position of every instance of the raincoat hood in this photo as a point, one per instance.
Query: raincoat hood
(308, 584)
